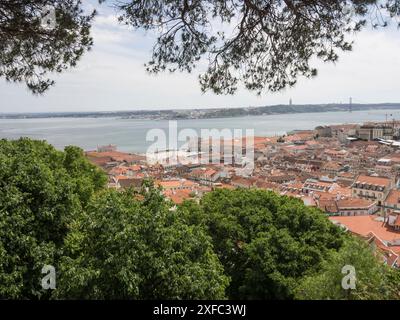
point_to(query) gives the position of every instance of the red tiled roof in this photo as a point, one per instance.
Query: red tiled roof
(118, 170)
(346, 174)
(354, 203)
(380, 181)
(332, 166)
(121, 178)
(388, 254)
(393, 197)
(328, 205)
(225, 186)
(242, 181)
(178, 196)
(341, 191)
(169, 183)
(99, 161)
(362, 225)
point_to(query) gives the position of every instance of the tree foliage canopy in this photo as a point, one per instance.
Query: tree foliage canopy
(265, 242)
(260, 44)
(123, 248)
(374, 280)
(29, 51)
(41, 190)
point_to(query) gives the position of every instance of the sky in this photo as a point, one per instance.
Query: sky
(112, 77)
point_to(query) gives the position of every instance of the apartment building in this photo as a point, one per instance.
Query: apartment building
(369, 187)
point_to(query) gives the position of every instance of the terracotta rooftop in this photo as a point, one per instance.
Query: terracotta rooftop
(99, 161)
(178, 196)
(346, 174)
(242, 181)
(341, 191)
(225, 186)
(328, 205)
(354, 203)
(393, 197)
(380, 181)
(175, 183)
(362, 225)
(118, 170)
(332, 166)
(120, 177)
(389, 255)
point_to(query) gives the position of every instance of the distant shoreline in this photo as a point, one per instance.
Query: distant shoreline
(214, 113)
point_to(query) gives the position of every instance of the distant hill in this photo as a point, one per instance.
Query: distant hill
(175, 114)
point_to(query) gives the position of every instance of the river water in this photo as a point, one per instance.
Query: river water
(130, 134)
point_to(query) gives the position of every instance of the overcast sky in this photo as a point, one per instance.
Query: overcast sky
(112, 77)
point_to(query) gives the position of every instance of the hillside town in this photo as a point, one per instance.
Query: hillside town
(351, 172)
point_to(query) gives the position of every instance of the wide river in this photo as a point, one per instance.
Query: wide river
(130, 134)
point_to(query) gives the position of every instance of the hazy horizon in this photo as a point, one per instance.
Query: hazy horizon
(193, 108)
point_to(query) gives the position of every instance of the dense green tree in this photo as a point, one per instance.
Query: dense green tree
(104, 244)
(265, 242)
(374, 280)
(122, 248)
(30, 49)
(41, 190)
(393, 282)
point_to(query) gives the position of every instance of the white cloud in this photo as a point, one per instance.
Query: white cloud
(112, 77)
